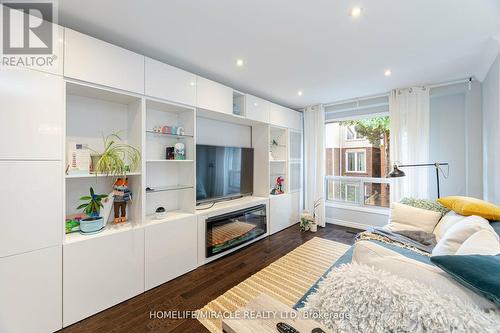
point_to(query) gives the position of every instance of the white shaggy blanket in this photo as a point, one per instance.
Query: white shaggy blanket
(358, 298)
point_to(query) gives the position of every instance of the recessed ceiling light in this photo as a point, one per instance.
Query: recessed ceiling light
(192, 84)
(240, 62)
(355, 11)
(387, 72)
(299, 92)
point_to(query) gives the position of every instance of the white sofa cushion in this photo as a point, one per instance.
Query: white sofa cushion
(404, 217)
(456, 235)
(483, 242)
(371, 254)
(447, 221)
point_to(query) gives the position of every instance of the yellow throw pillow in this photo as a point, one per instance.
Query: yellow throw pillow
(471, 206)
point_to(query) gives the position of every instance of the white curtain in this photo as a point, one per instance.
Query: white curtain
(314, 146)
(410, 118)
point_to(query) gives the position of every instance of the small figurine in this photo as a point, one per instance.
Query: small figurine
(160, 213)
(122, 195)
(180, 152)
(180, 130)
(278, 186)
(157, 129)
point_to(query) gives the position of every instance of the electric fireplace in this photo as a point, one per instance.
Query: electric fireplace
(224, 232)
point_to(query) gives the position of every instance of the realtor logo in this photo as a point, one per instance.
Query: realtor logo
(27, 28)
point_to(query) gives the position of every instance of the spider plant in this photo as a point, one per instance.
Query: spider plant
(93, 206)
(118, 158)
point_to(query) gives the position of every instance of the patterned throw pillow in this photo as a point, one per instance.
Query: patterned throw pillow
(425, 204)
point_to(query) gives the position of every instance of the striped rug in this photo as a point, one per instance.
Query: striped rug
(286, 279)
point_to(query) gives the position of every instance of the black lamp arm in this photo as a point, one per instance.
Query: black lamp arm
(436, 165)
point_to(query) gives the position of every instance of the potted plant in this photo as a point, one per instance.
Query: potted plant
(94, 222)
(308, 220)
(117, 159)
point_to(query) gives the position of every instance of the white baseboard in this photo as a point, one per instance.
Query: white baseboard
(348, 223)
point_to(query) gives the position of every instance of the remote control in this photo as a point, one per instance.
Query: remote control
(285, 328)
(317, 330)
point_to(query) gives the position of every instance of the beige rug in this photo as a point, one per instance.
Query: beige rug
(287, 279)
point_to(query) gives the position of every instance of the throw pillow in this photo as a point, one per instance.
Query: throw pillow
(404, 217)
(482, 242)
(478, 272)
(450, 219)
(458, 234)
(425, 204)
(471, 206)
(371, 254)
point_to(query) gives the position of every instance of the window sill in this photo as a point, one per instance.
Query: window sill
(373, 210)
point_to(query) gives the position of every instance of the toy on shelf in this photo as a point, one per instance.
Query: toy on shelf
(278, 186)
(72, 223)
(180, 151)
(122, 195)
(157, 129)
(160, 213)
(170, 153)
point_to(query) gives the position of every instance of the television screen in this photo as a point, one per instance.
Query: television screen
(223, 172)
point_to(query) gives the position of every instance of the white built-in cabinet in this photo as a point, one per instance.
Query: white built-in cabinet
(170, 83)
(100, 272)
(213, 96)
(31, 206)
(170, 250)
(92, 60)
(284, 117)
(60, 279)
(257, 108)
(31, 116)
(31, 126)
(31, 293)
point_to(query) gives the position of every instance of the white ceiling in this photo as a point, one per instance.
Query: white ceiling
(308, 45)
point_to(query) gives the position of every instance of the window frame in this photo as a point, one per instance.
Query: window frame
(356, 152)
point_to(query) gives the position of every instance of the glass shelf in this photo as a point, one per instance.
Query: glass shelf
(170, 135)
(168, 188)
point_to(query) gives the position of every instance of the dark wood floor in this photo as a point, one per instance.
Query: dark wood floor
(198, 287)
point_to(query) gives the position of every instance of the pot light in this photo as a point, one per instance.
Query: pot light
(240, 62)
(192, 84)
(387, 72)
(299, 93)
(355, 11)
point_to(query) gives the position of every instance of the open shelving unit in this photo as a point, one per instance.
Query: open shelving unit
(278, 155)
(92, 112)
(170, 182)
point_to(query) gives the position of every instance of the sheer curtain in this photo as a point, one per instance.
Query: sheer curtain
(314, 144)
(410, 118)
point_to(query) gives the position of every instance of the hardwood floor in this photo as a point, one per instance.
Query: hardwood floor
(198, 287)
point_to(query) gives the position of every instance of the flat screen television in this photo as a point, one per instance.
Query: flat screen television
(223, 172)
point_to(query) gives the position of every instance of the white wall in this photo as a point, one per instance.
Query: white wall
(219, 133)
(456, 138)
(491, 133)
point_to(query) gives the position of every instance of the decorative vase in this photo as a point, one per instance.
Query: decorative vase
(313, 226)
(92, 225)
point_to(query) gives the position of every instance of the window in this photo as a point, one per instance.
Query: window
(356, 165)
(352, 134)
(356, 161)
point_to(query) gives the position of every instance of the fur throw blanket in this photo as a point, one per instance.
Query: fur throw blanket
(359, 298)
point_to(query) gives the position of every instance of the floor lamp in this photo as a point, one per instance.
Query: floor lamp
(396, 172)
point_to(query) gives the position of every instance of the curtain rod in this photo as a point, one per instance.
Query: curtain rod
(430, 86)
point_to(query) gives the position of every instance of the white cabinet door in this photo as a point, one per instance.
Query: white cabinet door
(170, 83)
(31, 291)
(284, 117)
(171, 250)
(296, 204)
(92, 60)
(213, 96)
(31, 206)
(257, 109)
(100, 272)
(31, 115)
(280, 215)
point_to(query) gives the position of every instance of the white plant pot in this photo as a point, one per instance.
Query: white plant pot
(313, 227)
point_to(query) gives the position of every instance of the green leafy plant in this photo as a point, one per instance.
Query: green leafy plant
(118, 158)
(94, 203)
(376, 130)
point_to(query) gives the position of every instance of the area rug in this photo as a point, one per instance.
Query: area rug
(286, 279)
